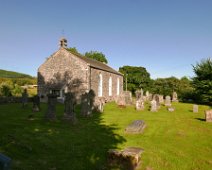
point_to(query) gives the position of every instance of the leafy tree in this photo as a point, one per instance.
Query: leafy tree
(137, 77)
(96, 56)
(73, 50)
(202, 81)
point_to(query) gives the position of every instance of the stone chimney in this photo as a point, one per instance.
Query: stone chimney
(63, 43)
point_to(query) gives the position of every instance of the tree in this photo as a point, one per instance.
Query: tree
(73, 50)
(202, 81)
(137, 77)
(99, 56)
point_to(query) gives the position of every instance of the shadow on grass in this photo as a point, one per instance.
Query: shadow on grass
(58, 145)
(200, 119)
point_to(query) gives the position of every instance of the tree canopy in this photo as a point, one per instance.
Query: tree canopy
(137, 77)
(99, 56)
(202, 81)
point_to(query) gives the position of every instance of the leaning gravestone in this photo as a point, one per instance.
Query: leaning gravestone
(136, 127)
(5, 162)
(168, 101)
(153, 106)
(208, 115)
(51, 108)
(128, 159)
(195, 108)
(69, 102)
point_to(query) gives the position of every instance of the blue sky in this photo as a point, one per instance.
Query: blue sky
(166, 37)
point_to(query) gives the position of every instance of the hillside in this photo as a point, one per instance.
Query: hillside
(12, 74)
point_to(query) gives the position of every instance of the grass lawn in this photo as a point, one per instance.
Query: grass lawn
(179, 140)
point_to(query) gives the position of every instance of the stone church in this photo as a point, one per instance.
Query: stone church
(66, 71)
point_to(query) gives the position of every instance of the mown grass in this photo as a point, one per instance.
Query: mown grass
(179, 140)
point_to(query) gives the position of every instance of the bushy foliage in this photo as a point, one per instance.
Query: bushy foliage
(12, 74)
(99, 56)
(137, 77)
(202, 81)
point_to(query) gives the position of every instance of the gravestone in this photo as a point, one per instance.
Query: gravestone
(5, 162)
(195, 108)
(121, 100)
(171, 109)
(153, 106)
(69, 103)
(128, 97)
(139, 105)
(156, 98)
(51, 108)
(136, 127)
(174, 97)
(101, 103)
(147, 95)
(161, 100)
(24, 98)
(208, 115)
(168, 101)
(128, 159)
(138, 94)
(36, 104)
(142, 93)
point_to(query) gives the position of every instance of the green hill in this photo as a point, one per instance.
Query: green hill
(12, 74)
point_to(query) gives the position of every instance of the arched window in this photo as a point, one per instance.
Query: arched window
(118, 86)
(110, 86)
(100, 86)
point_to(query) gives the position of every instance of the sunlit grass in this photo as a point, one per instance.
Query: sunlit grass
(179, 140)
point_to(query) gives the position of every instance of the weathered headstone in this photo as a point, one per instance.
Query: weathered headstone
(51, 108)
(147, 95)
(168, 101)
(195, 108)
(121, 100)
(208, 115)
(128, 158)
(161, 100)
(69, 102)
(36, 104)
(24, 98)
(128, 97)
(135, 127)
(5, 162)
(101, 103)
(157, 99)
(153, 106)
(138, 94)
(139, 105)
(174, 97)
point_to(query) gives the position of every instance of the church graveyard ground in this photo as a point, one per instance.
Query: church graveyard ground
(165, 131)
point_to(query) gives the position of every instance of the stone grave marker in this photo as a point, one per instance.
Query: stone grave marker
(136, 127)
(195, 108)
(5, 162)
(24, 98)
(51, 108)
(139, 105)
(147, 95)
(121, 100)
(208, 115)
(168, 101)
(161, 100)
(174, 97)
(36, 104)
(69, 102)
(153, 106)
(128, 159)
(128, 97)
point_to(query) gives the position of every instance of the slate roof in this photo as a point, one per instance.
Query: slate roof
(97, 64)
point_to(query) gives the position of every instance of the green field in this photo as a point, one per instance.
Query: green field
(179, 140)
